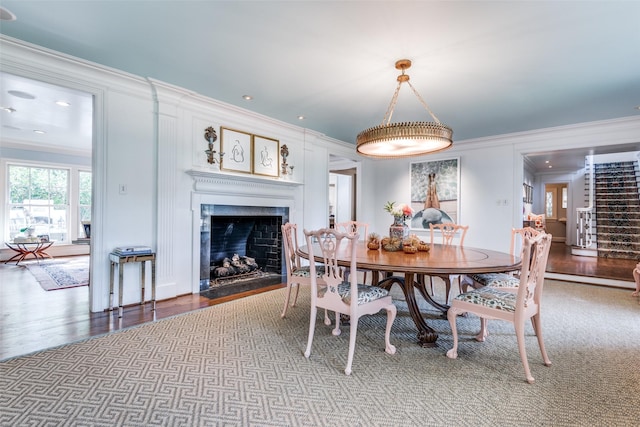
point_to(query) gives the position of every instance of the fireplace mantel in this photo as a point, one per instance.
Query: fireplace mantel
(204, 179)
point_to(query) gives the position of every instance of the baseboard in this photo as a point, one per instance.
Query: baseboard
(614, 283)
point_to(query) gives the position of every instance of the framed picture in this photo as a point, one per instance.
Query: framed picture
(265, 156)
(435, 191)
(236, 146)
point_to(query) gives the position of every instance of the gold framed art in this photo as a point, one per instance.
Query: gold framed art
(265, 156)
(237, 149)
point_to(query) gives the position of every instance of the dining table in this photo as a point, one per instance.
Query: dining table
(408, 270)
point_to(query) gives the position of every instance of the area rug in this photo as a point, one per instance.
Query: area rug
(241, 364)
(61, 274)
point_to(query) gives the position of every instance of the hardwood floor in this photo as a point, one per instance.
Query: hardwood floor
(33, 319)
(561, 261)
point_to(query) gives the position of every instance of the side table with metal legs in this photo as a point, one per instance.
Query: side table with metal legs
(120, 260)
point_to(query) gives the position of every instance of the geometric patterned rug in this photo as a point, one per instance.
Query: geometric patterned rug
(240, 364)
(53, 275)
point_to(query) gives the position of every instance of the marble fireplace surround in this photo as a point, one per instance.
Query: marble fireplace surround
(216, 193)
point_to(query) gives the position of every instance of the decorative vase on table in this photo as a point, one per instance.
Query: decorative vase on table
(398, 229)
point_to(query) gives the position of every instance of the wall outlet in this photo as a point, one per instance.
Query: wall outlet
(122, 188)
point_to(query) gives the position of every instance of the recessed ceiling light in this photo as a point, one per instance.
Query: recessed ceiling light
(63, 103)
(546, 161)
(21, 94)
(301, 117)
(39, 131)
(8, 109)
(6, 15)
(247, 97)
(550, 166)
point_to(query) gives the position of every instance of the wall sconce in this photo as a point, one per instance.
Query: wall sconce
(211, 137)
(286, 169)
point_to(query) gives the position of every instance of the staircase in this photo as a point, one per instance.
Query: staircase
(617, 209)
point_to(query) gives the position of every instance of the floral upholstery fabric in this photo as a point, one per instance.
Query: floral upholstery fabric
(365, 293)
(306, 271)
(490, 297)
(496, 280)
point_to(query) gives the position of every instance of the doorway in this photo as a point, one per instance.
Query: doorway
(556, 202)
(64, 143)
(343, 190)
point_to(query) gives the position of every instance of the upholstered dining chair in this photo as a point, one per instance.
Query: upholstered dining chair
(448, 233)
(515, 307)
(297, 273)
(508, 280)
(359, 227)
(341, 296)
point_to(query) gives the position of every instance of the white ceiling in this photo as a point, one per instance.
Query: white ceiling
(484, 67)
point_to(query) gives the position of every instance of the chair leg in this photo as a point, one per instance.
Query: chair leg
(295, 296)
(536, 322)
(287, 299)
(447, 289)
(336, 331)
(482, 335)
(352, 344)
(523, 352)
(312, 329)
(327, 321)
(391, 316)
(452, 314)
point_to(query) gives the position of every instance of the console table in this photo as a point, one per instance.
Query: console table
(119, 260)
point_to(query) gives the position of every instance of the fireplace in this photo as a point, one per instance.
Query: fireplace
(240, 248)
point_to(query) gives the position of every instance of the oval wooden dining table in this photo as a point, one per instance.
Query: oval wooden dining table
(413, 268)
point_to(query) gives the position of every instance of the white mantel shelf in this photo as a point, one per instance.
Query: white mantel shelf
(207, 176)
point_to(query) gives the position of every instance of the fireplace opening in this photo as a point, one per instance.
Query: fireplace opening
(245, 253)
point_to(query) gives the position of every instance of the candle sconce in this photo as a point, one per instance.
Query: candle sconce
(286, 169)
(211, 137)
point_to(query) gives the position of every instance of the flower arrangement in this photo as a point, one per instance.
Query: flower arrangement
(400, 212)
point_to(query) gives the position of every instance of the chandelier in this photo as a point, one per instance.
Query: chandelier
(391, 140)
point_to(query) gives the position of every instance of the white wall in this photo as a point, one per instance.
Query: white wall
(148, 135)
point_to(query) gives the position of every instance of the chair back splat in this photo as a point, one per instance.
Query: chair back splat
(506, 280)
(356, 227)
(516, 307)
(448, 232)
(333, 293)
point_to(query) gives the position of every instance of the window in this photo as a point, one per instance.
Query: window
(41, 197)
(550, 203)
(84, 202)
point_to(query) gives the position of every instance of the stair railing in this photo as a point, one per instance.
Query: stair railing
(584, 216)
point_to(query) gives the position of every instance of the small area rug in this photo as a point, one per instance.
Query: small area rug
(61, 274)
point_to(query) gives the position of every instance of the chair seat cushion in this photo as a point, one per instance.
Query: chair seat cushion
(365, 293)
(306, 271)
(490, 297)
(496, 280)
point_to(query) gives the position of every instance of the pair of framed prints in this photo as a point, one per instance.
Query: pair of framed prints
(247, 153)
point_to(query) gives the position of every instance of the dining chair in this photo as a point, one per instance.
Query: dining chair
(507, 280)
(362, 229)
(297, 273)
(515, 307)
(448, 232)
(342, 296)
(538, 221)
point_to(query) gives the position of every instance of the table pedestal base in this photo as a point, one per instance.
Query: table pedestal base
(427, 336)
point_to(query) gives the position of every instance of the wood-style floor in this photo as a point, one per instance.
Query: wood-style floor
(33, 319)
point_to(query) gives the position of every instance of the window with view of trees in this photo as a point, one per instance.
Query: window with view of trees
(41, 198)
